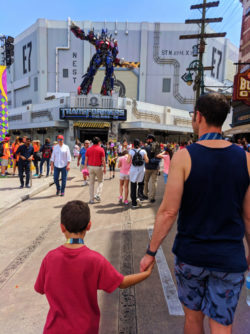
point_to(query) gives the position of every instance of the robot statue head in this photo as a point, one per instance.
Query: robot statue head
(104, 34)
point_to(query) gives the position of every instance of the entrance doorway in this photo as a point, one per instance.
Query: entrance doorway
(89, 134)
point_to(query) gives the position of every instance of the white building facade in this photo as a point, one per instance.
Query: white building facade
(50, 62)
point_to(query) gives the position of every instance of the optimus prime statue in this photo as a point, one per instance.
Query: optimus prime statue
(106, 55)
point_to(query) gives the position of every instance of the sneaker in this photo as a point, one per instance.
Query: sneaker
(27, 186)
(84, 183)
(126, 202)
(62, 194)
(120, 199)
(138, 202)
(91, 202)
(35, 175)
(134, 206)
(113, 176)
(143, 197)
(21, 186)
(57, 192)
(152, 200)
(98, 198)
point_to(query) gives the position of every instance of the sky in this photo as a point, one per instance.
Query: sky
(18, 15)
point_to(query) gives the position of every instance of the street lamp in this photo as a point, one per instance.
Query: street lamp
(196, 67)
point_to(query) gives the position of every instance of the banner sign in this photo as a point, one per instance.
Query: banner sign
(94, 114)
(242, 87)
(4, 126)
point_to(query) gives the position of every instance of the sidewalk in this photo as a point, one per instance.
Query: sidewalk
(11, 194)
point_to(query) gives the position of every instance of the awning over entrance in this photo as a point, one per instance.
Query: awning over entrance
(99, 125)
(238, 129)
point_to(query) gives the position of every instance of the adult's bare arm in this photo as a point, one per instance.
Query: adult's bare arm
(170, 205)
(246, 214)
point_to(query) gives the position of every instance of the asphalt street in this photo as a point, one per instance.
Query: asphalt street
(31, 228)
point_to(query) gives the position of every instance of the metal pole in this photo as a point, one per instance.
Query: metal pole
(201, 51)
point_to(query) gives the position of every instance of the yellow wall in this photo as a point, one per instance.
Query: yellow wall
(127, 77)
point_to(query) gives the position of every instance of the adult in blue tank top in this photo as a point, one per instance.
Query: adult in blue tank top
(208, 186)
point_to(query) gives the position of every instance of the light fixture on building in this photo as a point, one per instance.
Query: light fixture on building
(188, 78)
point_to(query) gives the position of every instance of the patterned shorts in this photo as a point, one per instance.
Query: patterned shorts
(214, 293)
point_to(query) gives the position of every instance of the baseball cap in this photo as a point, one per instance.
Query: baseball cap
(60, 137)
(6, 138)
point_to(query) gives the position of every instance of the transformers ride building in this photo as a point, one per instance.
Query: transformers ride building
(150, 96)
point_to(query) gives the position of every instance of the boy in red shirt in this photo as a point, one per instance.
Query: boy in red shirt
(71, 274)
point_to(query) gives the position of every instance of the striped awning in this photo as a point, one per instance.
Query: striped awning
(92, 124)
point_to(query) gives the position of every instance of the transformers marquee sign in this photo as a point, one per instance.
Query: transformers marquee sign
(94, 114)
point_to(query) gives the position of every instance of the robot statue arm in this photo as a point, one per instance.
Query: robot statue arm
(78, 32)
(122, 63)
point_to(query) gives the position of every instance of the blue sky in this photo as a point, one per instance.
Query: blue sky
(17, 15)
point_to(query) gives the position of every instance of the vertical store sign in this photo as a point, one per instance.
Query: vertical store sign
(4, 126)
(74, 65)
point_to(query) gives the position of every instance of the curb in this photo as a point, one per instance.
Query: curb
(28, 196)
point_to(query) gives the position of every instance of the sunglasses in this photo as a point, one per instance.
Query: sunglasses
(59, 139)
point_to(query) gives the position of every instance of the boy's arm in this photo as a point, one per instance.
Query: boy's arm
(133, 279)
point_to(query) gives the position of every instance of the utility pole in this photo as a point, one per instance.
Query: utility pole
(199, 80)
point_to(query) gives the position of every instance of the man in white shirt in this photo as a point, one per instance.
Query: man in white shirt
(60, 162)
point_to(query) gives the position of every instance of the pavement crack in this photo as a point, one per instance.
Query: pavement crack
(127, 320)
(12, 268)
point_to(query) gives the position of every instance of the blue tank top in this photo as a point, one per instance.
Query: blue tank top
(210, 224)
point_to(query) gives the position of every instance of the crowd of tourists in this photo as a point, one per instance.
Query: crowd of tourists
(137, 162)
(207, 191)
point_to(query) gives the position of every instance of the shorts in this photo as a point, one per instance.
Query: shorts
(4, 162)
(124, 176)
(214, 293)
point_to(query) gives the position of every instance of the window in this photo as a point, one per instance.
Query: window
(35, 84)
(65, 73)
(166, 85)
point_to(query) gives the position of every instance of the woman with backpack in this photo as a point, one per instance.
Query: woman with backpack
(46, 150)
(138, 157)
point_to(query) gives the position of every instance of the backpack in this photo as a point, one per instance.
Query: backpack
(47, 152)
(1, 150)
(137, 159)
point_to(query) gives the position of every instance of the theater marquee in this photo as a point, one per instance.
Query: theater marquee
(93, 114)
(242, 87)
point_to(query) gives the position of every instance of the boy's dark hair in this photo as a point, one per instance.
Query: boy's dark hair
(75, 216)
(96, 140)
(47, 141)
(214, 107)
(137, 143)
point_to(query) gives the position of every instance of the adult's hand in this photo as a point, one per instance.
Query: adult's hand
(67, 168)
(146, 261)
(104, 170)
